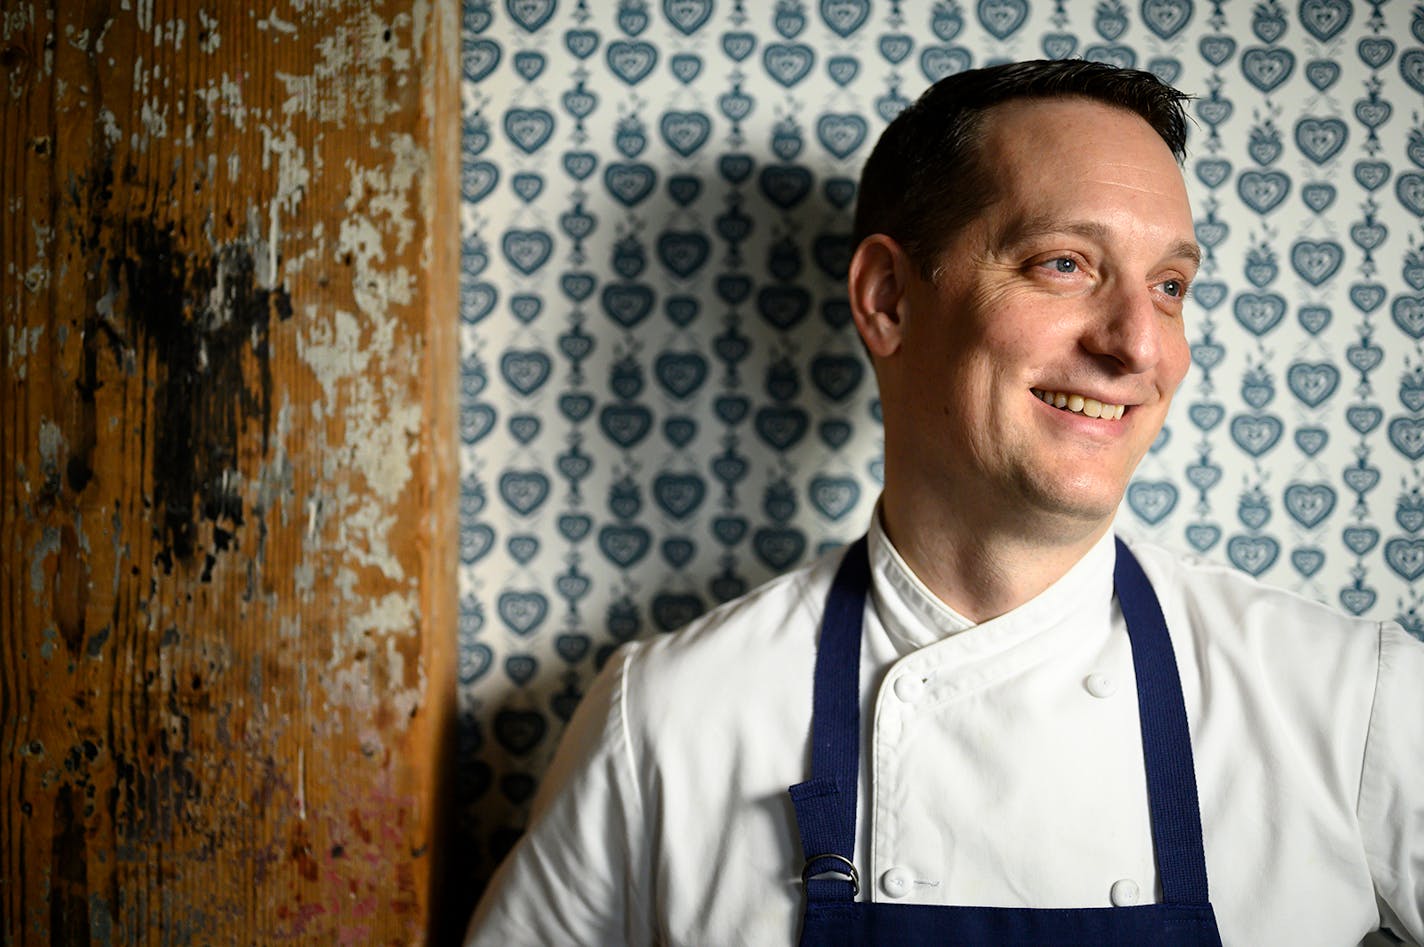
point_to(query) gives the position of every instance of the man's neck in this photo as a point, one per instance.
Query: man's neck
(981, 568)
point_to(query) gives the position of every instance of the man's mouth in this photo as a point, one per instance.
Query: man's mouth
(1078, 404)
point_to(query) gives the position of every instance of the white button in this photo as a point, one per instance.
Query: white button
(896, 882)
(1100, 685)
(909, 688)
(1124, 893)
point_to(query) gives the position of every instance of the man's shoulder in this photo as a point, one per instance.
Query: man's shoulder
(741, 671)
(787, 607)
(1220, 602)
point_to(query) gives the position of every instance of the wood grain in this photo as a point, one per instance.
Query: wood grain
(226, 470)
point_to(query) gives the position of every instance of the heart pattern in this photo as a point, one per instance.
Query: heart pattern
(661, 397)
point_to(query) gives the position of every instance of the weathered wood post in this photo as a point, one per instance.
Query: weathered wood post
(227, 272)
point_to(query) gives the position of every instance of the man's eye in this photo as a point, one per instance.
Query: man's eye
(1174, 287)
(1061, 264)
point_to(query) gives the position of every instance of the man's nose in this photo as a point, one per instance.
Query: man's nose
(1128, 329)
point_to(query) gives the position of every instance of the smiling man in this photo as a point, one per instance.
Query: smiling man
(998, 722)
(1026, 373)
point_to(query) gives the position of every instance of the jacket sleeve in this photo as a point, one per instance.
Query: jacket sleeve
(578, 876)
(1391, 803)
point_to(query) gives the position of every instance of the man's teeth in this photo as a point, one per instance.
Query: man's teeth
(1092, 407)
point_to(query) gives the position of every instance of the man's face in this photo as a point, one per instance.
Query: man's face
(1066, 290)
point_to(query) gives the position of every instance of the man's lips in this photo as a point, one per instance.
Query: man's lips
(1080, 404)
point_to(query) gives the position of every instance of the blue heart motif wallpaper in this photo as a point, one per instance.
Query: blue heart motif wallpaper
(663, 401)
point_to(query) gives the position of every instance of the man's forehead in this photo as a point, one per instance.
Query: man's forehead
(1057, 106)
(1027, 133)
(1029, 227)
(1066, 159)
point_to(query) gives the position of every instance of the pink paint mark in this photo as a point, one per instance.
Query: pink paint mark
(351, 936)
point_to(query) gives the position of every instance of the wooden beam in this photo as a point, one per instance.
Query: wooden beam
(227, 253)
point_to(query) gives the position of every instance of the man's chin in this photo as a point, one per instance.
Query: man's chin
(1080, 508)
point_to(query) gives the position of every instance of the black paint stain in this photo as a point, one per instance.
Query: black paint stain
(205, 323)
(69, 873)
(92, 203)
(156, 792)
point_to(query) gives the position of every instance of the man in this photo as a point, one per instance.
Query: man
(1004, 727)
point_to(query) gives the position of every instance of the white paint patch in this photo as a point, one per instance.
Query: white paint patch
(363, 526)
(302, 783)
(23, 341)
(154, 118)
(363, 684)
(289, 628)
(395, 614)
(78, 39)
(99, 43)
(51, 443)
(304, 580)
(37, 278)
(358, 60)
(16, 20)
(109, 126)
(172, 32)
(384, 440)
(404, 700)
(276, 485)
(273, 22)
(293, 177)
(333, 351)
(144, 14)
(365, 531)
(47, 546)
(209, 39)
(223, 97)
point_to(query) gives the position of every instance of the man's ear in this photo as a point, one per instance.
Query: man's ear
(877, 283)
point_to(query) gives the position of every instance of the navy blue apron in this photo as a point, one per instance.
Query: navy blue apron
(825, 804)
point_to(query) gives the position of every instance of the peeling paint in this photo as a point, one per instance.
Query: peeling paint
(51, 445)
(154, 118)
(293, 178)
(171, 33)
(16, 19)
(47, 642)
(37, 278)
(209, 39)
(273, 22)
(393, 614)
(46, 547)
(109, 127)
(222, 98)
(349, 83)
(144, 11)
(333, 351)
(22, 342)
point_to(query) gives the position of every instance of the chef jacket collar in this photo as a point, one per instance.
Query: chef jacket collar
(914, 617)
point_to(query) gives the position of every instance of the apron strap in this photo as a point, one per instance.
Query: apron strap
(1166, 740)
(825, 804)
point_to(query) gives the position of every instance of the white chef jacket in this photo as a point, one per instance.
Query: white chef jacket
(1001, 764)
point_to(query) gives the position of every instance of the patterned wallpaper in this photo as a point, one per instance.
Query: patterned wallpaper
(663, 401)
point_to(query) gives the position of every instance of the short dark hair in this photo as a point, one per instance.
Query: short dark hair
(923, 180)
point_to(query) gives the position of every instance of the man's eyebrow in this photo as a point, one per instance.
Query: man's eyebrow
(1188, 249)
(1030, 228)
